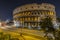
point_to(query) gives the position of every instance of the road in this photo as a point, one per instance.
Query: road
(28, 34)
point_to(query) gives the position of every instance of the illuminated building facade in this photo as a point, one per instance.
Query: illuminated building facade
(30, 15)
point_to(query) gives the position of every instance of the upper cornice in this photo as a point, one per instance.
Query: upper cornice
(34, 6)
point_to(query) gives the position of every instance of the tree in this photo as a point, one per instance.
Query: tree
(47, 26)
(58, 19)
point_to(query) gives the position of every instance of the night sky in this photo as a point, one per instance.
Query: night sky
(7, 6)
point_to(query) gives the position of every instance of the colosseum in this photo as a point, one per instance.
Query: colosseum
(30, 15)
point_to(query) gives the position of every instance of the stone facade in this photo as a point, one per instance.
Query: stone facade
(30, 15)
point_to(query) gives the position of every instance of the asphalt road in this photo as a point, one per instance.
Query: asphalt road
(28, 34)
